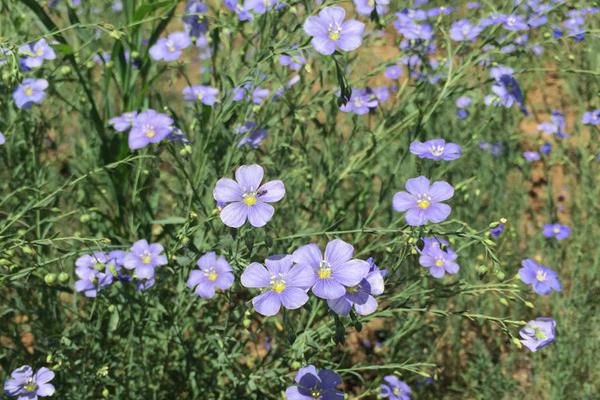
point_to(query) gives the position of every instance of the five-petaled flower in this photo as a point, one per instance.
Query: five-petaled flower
(329, 31)
(541, 278)
(284, 284)
(538, 333)
(29, 92)
(423, 202)
(213, 272)
(25, 385)
(313, 384)
(246, 198)
(143, 258)
(333, 272)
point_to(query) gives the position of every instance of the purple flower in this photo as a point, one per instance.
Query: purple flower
(406, 26)
(515, 22)
(366, 7)
(143, 258)
(393, 72)
(37, 53)
(463, 30)
(254, 138)
(195, 23)
(560, 232)
(2, 139)
(538, 333)
(259, 95)
(395, 389)
(149, 127)
(531, 156)
(294, 62)
(497, 231)
(360, 102)
(94, 274)
(313, 384)
(213, 272)
(439, 260)
(556, 125)
(29, 92)
(436, 149)
(261, 6)
(591, 117)
(285, 284)
(171, 47)
(335, 271)
(25, 385)
(546, 148)
(123, 122)
(361, 296)
(207, 95)
(463, 102)
(423, 202)
(242, 11)
(246, 198)
(330, 31)
(543, 279)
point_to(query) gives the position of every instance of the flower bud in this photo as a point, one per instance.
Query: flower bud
(50, 278)
(63, 277)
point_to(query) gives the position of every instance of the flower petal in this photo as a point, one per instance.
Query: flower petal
(256, 276)
(402, 201)
(260, 213)
(418, 185)
(309, 255)
(227, 190)
(328, 289)
(267, 304)
(249, 177)
(271, 191)
(351, 272)
(338, 252)
(234, 214)
(441, 191)
(293, 298)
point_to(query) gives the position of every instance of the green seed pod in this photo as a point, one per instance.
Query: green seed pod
(50, 279)
(295, 365)
(63, 277)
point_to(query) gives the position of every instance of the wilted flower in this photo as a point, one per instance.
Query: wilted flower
(335, 271)
(25, 385)
(436, 149)
(213, 272)
(171, 47)
(246, 198)
(423, 202)
(36, 53)
(437, 255)
(395, 389)
(541, 278)
(330, 31)
(361, 296)
(285, 284)
(497, 231)
(313, 384)
(123, 122)
(538, 333)
(29, 92)
(207, 95)
(143, 258)
(149, 127)
(558, 231)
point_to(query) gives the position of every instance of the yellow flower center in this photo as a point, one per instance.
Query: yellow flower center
(437, 150)
(423, 203)
(556, 230)
(278, 285)
(249, 199)
(371, 3)
(352, 290)
(335, 36)
(334, 30)
(30, 386)
(150, 133)
(396, 391)
(199, 96)
(40, 52)
(324, 270)
(439, 262)
(28, 91)
(146, 259)
(212, 276)
(541, 276)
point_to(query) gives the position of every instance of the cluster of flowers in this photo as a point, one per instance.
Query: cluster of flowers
(322, 384)
(99, 270)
